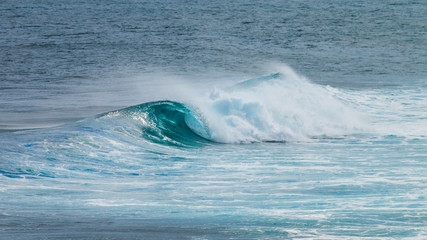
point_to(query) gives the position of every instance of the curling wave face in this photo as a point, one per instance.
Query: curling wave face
(165, 122)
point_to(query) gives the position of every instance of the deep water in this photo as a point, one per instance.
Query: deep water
(213, 120)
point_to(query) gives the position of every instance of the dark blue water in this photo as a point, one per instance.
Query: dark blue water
(213, 120)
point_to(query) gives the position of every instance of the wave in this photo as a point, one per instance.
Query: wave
(165, 122)
(279, 107)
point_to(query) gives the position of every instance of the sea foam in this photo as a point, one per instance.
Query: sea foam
(284, 106)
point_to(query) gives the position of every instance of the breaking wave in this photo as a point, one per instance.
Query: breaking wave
(280, 107)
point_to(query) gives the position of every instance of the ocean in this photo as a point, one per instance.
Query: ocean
(213, 119)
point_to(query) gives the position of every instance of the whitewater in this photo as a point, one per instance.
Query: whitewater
(273, 156)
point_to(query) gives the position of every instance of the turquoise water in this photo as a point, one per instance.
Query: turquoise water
(213, 120)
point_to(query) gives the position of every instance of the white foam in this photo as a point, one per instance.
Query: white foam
(289, 108)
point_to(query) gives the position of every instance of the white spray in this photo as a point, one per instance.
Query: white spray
(283, 108)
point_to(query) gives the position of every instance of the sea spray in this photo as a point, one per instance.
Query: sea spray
(279, 107)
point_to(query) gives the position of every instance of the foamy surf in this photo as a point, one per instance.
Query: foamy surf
(283, 106)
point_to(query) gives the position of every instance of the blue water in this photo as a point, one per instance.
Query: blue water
(213, 120)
